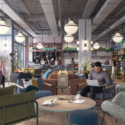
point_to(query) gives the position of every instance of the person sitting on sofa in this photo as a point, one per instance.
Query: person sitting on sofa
(103, 80)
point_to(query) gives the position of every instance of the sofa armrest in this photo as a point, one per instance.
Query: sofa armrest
(109, 86)
(50, 83)
(73, 84)
(19, 86)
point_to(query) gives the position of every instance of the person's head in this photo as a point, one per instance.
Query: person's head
(98, 67)
(56, 59)
(72, 58)
(107, 58)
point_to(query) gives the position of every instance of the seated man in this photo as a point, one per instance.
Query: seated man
(103, 80)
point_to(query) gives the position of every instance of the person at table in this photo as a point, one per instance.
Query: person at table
(2, 74)
(42, 61)
(114, 69)
(72, 61)
(96, 74)
(107, 61)
(56, 63)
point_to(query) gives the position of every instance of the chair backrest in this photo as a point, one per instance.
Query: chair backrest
(110, 89)
(17, 108)
(71, 69)
(20, 82)
(38, 71)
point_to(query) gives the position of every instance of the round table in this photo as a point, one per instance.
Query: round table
(64, 106)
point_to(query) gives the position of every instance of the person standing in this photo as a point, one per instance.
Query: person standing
(42, 61)
(2, 74)
(107, 61)
(56, 63)
(114, 69)
(72, 61)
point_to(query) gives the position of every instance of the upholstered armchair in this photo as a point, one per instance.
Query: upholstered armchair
(116, 107)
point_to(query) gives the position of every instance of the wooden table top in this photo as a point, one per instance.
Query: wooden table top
(64, 105)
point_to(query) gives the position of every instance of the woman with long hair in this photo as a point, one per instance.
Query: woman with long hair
(2, 74)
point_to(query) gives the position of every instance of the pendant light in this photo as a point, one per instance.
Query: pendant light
(20, 37)
(71, 27)
(96, 46)
(40, 45)
(117, 37)
(69, 38)
(4, 28)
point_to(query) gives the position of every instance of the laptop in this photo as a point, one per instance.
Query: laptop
(92, 83)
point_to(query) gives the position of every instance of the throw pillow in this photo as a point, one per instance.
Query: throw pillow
(30, 88)
(20, 70)
(47, 73)
(34, 83)
(27, 83)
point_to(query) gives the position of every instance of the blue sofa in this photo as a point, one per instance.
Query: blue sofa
(38, 94)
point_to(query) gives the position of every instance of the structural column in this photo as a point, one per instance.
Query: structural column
(84, 35)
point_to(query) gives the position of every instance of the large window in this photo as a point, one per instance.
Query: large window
(19, 49)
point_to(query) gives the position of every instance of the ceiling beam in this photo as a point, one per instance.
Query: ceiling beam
(105, 10)
(59, 10)
(35, 18)
(91, 4)
(47, 6)
(113, 26)
(120, 11)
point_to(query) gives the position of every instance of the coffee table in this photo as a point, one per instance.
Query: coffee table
(64, 106)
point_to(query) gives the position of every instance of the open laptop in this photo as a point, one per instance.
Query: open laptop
(92, 83)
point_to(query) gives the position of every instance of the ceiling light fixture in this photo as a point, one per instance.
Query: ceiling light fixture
(20, 37)
(96, 46)
(117, 37)
(4, 28)
(71, 27)
(40, 45)
(69, 38)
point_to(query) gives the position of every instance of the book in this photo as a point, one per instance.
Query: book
(49, 102)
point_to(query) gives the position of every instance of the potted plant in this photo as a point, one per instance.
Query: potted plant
(16, 64)
(85, 66)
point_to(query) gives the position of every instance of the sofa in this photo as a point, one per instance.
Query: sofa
(72, 82)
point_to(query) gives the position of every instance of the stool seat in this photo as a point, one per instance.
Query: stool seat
(83, 117)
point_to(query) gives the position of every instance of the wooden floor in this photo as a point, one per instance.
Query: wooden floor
(50, 118)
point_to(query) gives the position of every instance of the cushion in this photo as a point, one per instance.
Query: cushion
(7, 91)
(20, 70)
(31, 71)
(83, 117)
(30, 88)
(34, 83)
(46, 75)
(42, 93)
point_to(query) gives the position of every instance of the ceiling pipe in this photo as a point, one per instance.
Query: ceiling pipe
(120, 21)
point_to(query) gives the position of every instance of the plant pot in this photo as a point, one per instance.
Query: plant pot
(86, 74)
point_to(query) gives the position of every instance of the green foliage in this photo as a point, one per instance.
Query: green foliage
(86, 64)
(16, 64)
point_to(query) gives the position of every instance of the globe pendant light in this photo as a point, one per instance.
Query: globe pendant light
(39, 45)
(20, 37)
(68, 38)
(71, 27)
(117, 37)
(96, 46)
(4, 28)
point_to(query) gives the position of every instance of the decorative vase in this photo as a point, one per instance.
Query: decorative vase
(86, 74)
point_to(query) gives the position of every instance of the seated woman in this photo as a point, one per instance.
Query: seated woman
(56, 63)
(2, 74)
(42, 61)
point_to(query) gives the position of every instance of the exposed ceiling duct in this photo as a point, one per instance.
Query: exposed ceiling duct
(120, 21)
(47, 6)
(91, 4)
(105, 10)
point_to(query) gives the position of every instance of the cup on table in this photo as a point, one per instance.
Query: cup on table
(78, 96)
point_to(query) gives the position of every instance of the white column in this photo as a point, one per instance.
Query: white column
(84, 34)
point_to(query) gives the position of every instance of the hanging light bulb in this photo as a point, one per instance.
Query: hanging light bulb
(20, 37)
(96, 46)
(39, 45)
(117, 37)
(68, 38)
(71, 27)
(4, 28)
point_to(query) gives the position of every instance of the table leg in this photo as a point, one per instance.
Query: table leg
(65, 118)
(95, 108)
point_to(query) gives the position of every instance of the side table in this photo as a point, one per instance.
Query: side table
(62, 87)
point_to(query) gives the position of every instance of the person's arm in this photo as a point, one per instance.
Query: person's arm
(107, 80)
(4, 71)
(90, 76)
